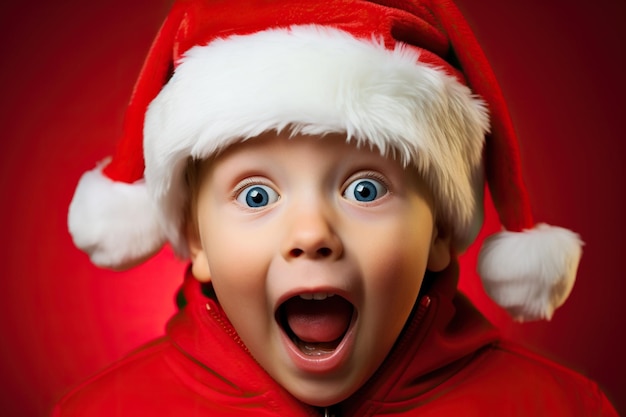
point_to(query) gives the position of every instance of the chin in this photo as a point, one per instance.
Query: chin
(326, 391)
(321, 397)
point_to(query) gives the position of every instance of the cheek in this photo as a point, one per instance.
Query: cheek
(394, 274)
(238, 266)
(393, 292)
(237, 275)
(396, 254)
(234, 251)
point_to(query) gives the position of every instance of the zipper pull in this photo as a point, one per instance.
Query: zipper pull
(328, 413)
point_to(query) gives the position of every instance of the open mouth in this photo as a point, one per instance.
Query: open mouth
(316, 323)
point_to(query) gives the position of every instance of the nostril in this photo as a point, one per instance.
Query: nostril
(321, 252)
(296, 252)
(324, 252)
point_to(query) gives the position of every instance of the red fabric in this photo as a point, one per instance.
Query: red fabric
(448, 361)
(127, 165)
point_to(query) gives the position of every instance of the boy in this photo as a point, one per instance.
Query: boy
(321, 164)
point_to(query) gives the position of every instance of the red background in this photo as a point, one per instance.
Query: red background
(68, 69)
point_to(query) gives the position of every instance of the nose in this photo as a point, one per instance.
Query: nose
(311, 235)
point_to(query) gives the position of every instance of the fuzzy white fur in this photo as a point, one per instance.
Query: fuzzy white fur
(315, 80)
(530, 273)
(115, 223)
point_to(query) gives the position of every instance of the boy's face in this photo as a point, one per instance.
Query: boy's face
(316, 251)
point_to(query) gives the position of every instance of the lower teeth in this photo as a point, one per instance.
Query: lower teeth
(315, 350)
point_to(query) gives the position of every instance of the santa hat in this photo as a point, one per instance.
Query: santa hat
(406, 77)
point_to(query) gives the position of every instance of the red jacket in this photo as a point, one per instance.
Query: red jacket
(448, 361)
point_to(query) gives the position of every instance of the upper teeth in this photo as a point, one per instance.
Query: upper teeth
(316, 296)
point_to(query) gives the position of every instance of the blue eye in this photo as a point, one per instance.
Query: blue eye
(365, 190)
(256, 196)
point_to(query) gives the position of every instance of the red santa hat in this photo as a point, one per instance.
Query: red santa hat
(406, 77)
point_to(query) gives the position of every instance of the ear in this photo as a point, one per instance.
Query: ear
(439, 255)
(199, 261)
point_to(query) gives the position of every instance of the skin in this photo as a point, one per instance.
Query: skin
(314, 235)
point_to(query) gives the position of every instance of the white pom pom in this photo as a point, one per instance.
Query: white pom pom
(114, 223)
(530, 273)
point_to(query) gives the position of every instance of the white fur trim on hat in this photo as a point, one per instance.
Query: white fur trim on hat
(530, 273)
(316, 80)
(115, 223)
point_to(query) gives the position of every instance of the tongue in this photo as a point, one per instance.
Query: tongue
(318, 321)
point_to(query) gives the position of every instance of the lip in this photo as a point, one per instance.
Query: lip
(324, 363)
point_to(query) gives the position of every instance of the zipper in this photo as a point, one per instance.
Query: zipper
(228, 328)
(319, 411)
(328, 412)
